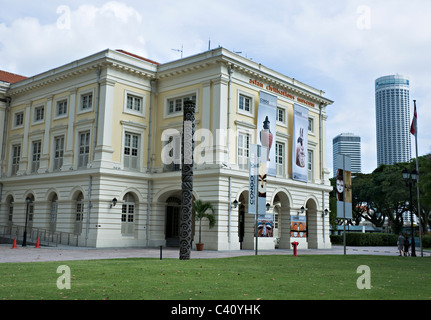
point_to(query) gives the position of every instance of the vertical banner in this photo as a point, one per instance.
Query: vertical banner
(257, 179)
(253, 176)
(266, 132)
(300, 143)
(298, 226)
(343, 178)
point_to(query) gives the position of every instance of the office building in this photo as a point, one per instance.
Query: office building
(350, 145)
(393, 119)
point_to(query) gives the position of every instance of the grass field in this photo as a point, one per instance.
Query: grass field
(277, 277)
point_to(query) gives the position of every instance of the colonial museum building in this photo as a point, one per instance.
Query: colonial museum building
(87, 152)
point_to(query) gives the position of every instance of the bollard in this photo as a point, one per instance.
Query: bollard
(161, 247)
(295, 245)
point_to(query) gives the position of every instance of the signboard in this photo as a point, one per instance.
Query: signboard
(300, 143)
(298, 226)
(266, 128)
(343, 179)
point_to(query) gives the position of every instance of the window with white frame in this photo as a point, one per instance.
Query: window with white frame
(58, 152)
(175, 105)
(18, 119)
(243, 150)
(245, 104)
(16, 155)
(131, 150)
(310, 165)
(84, 149)
(281, 115)
(61, 108)
(310, 125)
(279, 158)
(39, 113)
(87, 101)
(134, 103)
(35, 162)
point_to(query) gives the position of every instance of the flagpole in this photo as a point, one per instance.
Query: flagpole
(417, 185)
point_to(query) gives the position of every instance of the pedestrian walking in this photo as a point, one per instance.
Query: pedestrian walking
(406, 246)
(400, 244)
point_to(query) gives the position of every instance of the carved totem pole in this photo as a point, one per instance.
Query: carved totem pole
(186, 216)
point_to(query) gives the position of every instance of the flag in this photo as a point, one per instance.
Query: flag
(414, 126)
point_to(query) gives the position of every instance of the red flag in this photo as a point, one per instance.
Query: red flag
(414, 126)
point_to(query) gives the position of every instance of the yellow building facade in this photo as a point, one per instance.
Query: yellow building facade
(84, 151)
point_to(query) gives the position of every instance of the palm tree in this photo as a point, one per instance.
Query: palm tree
(200, 208)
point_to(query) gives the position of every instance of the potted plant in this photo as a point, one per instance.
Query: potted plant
(200, 208)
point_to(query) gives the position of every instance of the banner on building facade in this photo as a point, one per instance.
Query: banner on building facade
(298, 226)
(257, 179)
(266, 128)
(300, 143)
(343, 178)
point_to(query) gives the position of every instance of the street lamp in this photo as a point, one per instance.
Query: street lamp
(24, 240)
(410, 179)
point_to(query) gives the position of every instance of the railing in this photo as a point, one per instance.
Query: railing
(45, 236)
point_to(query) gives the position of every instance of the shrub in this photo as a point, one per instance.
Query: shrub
(366, 239)
(426, 241)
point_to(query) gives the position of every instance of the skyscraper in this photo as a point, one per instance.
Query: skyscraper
(348, 144)
(393, 119)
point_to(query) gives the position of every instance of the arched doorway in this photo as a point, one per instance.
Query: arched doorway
(312, 223)
(53, 213)
(128, 215)
(281, 203)
(79, 214)
(172, 229)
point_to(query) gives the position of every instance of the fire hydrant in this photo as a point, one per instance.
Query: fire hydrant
(295, 245)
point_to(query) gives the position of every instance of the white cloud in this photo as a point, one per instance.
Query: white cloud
(317, 42)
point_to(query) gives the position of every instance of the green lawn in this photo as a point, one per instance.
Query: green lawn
(277, 277)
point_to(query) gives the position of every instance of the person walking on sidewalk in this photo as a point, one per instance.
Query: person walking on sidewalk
(406, 246)
(400, 244)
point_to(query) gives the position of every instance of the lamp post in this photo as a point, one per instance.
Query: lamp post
(410, 179)
(24, 239)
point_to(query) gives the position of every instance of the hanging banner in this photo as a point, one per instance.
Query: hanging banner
(300, 143)
(298, 226)
(253, 179)
(266, 130)
(265, 225)
(343, 180)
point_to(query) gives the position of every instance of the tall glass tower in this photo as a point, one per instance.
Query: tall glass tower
(350, 145)
(393, 119)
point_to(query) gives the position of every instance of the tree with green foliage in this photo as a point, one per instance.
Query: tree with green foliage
(200, 209)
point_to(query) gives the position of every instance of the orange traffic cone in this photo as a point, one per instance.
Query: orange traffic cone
(14, 244)
(37, 243)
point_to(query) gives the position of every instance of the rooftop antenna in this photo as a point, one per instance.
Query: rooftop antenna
(178, 50)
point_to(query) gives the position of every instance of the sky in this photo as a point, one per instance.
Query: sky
(338, 46)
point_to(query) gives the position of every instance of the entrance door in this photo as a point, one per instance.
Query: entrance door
(172, 226)
(241, 217)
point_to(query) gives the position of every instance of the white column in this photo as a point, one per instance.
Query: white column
(68, 152)
(219, 118)
(103, 151)
(44, 157)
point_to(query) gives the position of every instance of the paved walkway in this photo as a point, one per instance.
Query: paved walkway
(64, 253)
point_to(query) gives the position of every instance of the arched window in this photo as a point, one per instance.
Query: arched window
(128, 212)
(53, 216)
(9, 204)
(79, 213)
